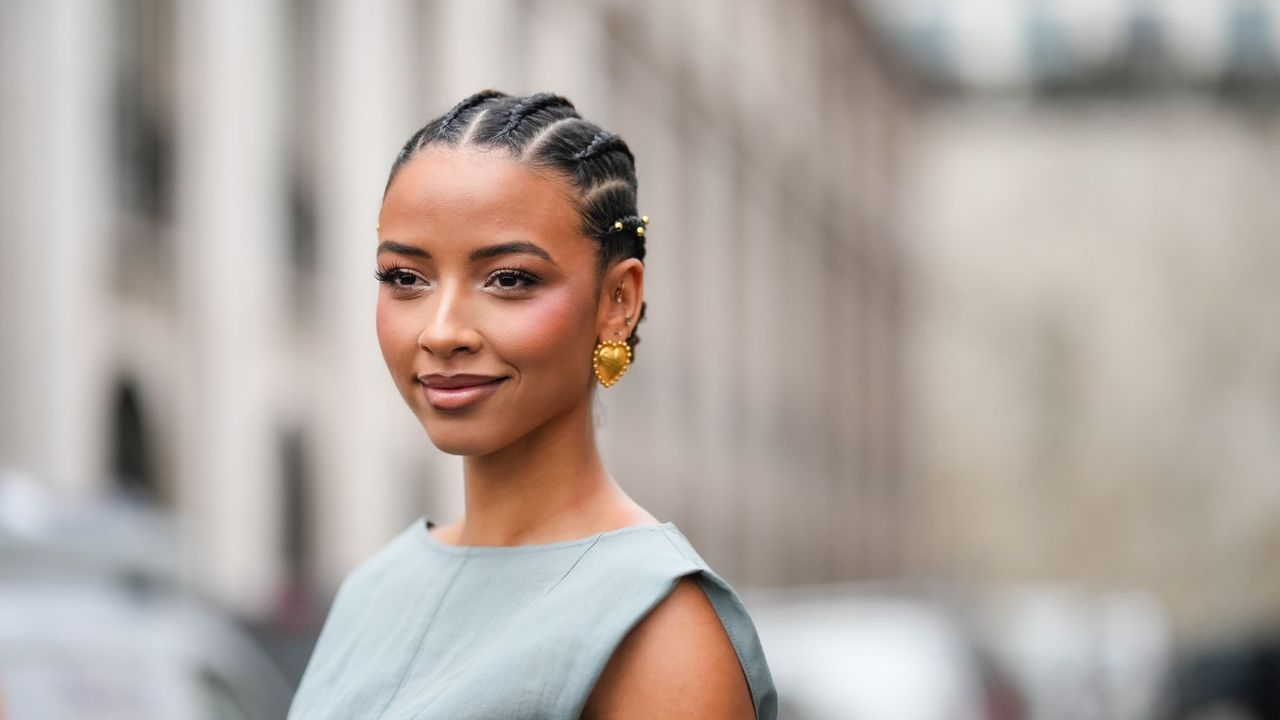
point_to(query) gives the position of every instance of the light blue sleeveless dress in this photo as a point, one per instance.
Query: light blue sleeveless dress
(424, 629)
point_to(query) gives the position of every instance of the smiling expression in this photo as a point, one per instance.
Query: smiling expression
(484, 270)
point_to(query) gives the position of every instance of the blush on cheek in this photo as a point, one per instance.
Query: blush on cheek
(384, 324)
(395, 333)
(546, 327)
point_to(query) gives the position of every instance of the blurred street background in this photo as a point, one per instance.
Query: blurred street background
(961, 361)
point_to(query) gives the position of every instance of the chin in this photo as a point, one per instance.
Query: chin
(463, 439)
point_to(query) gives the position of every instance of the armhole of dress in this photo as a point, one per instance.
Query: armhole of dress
(730, 615)
(738, 626)
(742, 635)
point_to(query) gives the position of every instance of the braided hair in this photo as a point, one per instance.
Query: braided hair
(545, 131)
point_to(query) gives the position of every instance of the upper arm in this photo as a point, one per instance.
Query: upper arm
(677, 662)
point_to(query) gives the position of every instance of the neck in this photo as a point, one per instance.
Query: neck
(549, 486)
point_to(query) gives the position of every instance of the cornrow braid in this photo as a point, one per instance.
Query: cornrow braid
(603, 142)
(464, 106)
(545, 131)
(529, 105)
(629, 222)
(410, 147)
(439, 128)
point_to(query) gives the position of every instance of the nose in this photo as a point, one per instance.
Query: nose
(448, 327)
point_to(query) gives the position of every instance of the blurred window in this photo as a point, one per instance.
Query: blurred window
(143, 101)
(131, 448)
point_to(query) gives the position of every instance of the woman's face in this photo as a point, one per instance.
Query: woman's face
(485, 271)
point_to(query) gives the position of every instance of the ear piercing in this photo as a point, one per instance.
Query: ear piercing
(617, 297)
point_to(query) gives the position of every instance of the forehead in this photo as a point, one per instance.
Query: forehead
(444, 192)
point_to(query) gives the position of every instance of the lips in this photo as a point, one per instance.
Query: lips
(457, 392)
(440, 380)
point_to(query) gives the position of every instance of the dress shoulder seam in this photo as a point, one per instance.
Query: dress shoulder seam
(693, 558)
(571, 567)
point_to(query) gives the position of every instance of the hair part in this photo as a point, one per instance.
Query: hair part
(545, 131)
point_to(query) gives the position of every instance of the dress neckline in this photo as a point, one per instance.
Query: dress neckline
(424, 524)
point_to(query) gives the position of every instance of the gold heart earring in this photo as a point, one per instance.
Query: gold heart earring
(612, 357)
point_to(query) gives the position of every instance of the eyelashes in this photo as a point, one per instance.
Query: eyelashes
(393, 276)
(400, 279)
(528, 278)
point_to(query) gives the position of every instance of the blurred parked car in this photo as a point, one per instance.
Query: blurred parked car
(851, 652)
(1239, 680)
(1074, 654)
(935, 651)
(94, 622)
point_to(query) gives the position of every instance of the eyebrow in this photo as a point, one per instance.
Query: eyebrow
(484, 253)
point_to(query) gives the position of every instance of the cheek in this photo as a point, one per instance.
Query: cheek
(395, 333)
(548, 330)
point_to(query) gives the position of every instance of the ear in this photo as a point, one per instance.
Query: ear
(621, 294)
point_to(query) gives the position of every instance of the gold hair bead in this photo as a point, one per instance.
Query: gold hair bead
(644, 219)
(640, 231)
(617, 225)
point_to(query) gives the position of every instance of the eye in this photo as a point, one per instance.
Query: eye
(512, 280)
(397, 278)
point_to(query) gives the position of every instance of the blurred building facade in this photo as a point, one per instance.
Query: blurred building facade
(1094, 362)
(186, 244)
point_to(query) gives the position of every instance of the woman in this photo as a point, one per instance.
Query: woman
(510, 256)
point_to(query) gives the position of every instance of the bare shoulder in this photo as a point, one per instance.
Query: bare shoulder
(677, 662)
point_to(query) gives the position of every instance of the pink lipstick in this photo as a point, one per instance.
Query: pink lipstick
(457, 392)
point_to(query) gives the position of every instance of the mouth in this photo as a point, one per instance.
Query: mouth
(458, 392)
